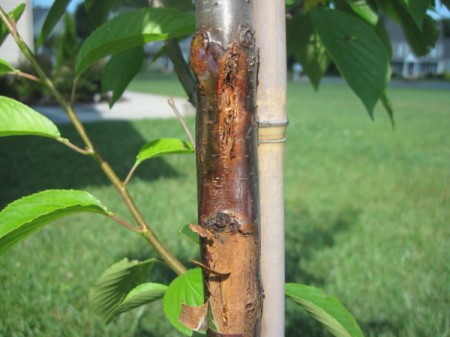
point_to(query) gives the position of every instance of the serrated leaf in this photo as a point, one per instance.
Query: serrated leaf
(25, 216)
(120, 70)
(141, 295)
(326, 309)
(55, 14)
(15, 14)
(132, 29)
(307, 47)
(357, 52)
(112, 288)
(163, 146)
(417, 9)
(18, 119)
(185, 289)
(388, 107)
(6, 68)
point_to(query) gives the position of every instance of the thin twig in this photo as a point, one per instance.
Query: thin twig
(75, 147)
(125, 224)
(74, 90)
(26, 75)
(181, 120)
(130, 174)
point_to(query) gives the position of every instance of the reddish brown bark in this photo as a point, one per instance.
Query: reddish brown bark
(227, 182)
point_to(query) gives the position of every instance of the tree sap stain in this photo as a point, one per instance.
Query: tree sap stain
(227, 181)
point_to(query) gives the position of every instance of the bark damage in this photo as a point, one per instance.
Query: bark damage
(227, 182)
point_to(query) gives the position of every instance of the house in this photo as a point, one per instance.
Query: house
(407, 65)
(9, 50)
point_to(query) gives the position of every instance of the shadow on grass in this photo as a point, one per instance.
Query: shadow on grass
(306, 235)
(32, 164)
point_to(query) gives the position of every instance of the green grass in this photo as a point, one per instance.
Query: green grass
(157, 83)
(367, 213)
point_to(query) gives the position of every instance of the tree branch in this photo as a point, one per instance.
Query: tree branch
(183, 70)
(169, 258)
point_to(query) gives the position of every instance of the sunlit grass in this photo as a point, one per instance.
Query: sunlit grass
(366, 215)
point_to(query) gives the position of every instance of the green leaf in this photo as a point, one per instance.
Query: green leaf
(120, 70)
(55, 14)
(17, 119)
(182, 5)
(388, 107)
(161, 52)
(142, 294)
(383, 34)
(357, 52)
(186, 231)
(25, 216)
(307, 48)
(15, 14)
(6, 68)
(364, 11)
(326, 309)
(185, 289)
(422, 40)
(98, 10)
(121, 287)
(446, 3)
(417, 9)
(132, 29)
(163, 146)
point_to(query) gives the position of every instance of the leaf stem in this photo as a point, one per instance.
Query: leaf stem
(144, 228)
(75, 147)
(181, 120)
(26, 75)
(125, 223)
(130, 174)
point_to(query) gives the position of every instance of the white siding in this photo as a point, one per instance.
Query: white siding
(8, 50)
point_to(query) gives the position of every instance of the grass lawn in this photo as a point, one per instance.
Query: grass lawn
(367, 216)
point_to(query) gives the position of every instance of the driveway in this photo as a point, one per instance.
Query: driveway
(132, 106)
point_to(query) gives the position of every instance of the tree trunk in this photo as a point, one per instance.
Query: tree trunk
(224, 60)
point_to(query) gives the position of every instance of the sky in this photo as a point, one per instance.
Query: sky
(442, 11)
(48, 3)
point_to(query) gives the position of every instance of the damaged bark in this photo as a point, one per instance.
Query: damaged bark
(224, 60)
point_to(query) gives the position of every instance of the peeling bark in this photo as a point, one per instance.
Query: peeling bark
(227, 179)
